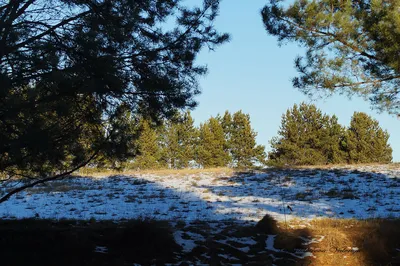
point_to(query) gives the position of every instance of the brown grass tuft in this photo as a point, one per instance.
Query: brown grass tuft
(376, 241)
(329, 166)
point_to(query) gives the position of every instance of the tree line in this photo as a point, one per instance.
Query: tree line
(306, 137)
(309, 137)
(222, 141)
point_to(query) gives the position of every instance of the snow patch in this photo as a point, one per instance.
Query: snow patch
(187, 244)
(312, 241)
(100, 249)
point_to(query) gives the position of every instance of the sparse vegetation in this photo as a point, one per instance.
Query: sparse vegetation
(175, 172)
(331, 242)
(301, 196)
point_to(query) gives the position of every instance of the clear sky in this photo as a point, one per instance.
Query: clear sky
(253, 74)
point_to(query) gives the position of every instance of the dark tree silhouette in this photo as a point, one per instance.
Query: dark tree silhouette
(70, 69)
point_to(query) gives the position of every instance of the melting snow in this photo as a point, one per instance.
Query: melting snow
(187, 244)
(311, 241)
(356, 192)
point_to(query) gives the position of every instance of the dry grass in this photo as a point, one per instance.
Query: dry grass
(377, 241)
(161, 172)
(68, 242)
(394, 165)
(55, 187)
(328, 166)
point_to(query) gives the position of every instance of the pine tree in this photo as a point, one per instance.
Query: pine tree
(65, 75)
(336, 58)
(161, 132)
(149, 153)
(334, 142)
(180, 141)
(226, 123)
(188, 137)
(212, 142)
(242, 142)
(366, 141)
(171, 144)
(123, 145)
(307, 136)
(303, 137)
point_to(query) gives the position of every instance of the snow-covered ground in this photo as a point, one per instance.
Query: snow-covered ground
(359, 192)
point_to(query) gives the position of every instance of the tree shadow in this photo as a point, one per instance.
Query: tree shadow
(220, 213)
(304, 193)
(281, 193)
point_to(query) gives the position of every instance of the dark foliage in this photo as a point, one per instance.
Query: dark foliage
(46, 242)
(70, 70)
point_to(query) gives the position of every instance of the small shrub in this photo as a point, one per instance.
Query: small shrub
(301, 196)
(333, 193)
(287, 179)
(348, 195)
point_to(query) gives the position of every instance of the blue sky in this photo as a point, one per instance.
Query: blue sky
(253, 74)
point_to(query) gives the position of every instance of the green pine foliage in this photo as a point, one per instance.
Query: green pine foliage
(351, 47)
(180, 141)
(242, 142)
(301, 138)
(226, 123)
(170, 149)
(308, 137)
(211, 150)
(366, 141)
(123, 145)
(334, 143)
(188, 139)
(148, 148)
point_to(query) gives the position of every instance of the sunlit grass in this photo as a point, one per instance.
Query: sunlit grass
(108, 172)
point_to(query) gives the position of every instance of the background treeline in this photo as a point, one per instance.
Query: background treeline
(221, 141)
(308, 137)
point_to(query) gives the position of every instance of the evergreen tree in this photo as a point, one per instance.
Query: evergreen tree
(366, 141)
(66, 68)
(188, 137)
(226, 123)
(303, 137)
(242, 142)
(212, 143)
(161, 130)
(180, 141)
(334, 142)
(149, 153)
(308, 137)
(351, 47)
(171, 147)
(123, 145)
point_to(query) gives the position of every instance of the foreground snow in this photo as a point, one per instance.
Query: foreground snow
(363, 192)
